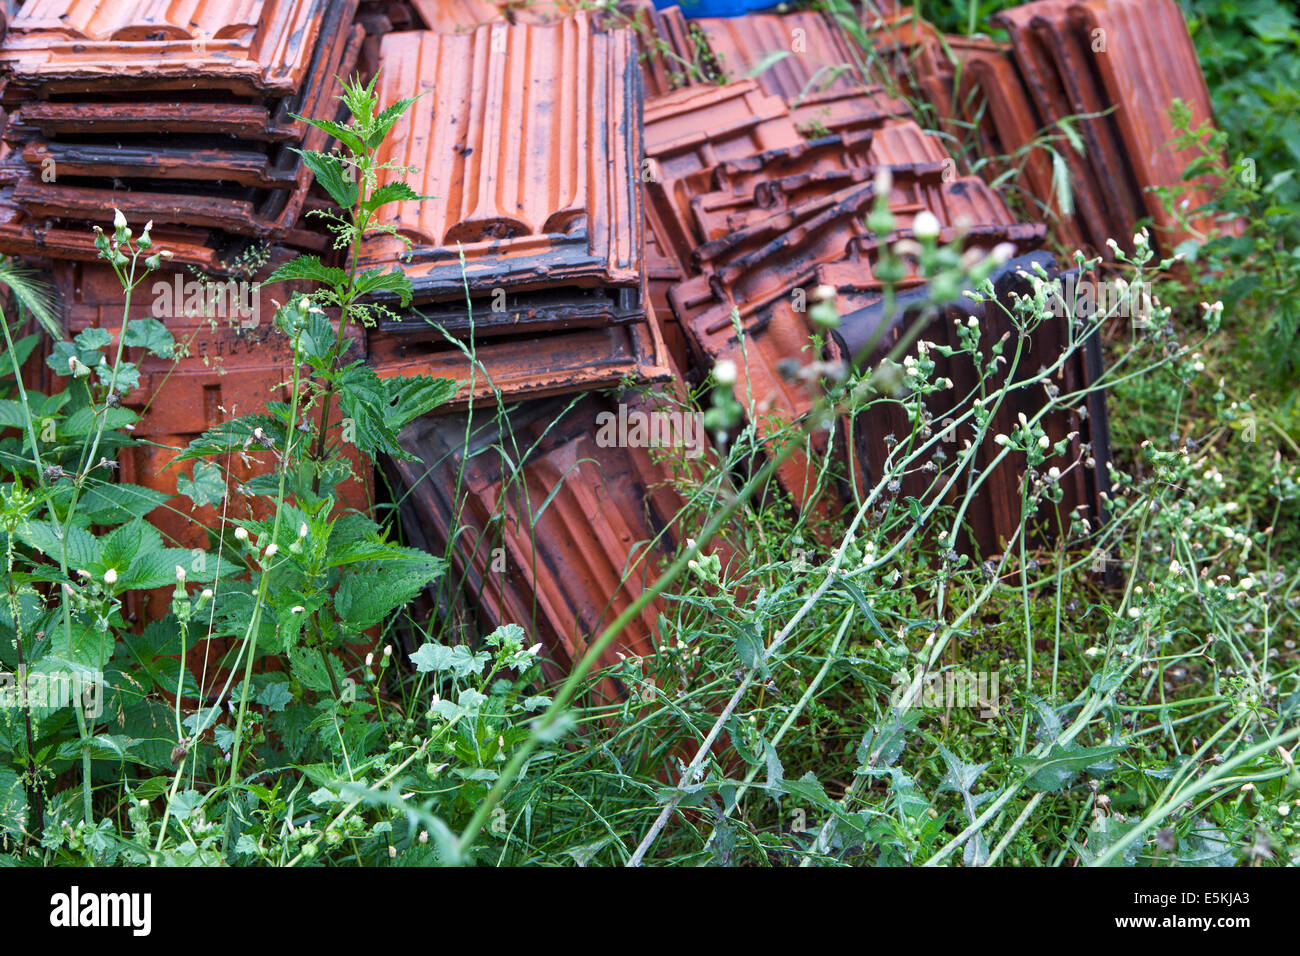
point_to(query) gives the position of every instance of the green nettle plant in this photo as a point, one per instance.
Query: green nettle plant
(292, 578)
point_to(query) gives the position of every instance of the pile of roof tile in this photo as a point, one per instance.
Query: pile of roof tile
(745, 197)
(1112, 69)
(529, 144)
(605, 205)
(177, 113)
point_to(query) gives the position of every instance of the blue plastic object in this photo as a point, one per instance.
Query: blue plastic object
(715, 8)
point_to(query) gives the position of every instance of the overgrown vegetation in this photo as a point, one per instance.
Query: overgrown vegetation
(1146, 717)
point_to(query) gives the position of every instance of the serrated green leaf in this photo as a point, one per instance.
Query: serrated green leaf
(376, 280)
(392, 192)
(48, 539)
(333, 175)
(364, 597)
(340, 132)
(113, 504)
(385, 120)
(310, 268)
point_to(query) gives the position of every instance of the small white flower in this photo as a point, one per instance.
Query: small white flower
(535, 649)
(241, 534)
(271, 549)
(1044, 442)
(370, 659)
(388, 650)
(1134, 612)
(110, 576)
(725, 372)
(1001, 439)
(180, 573)
(207, 594)
(973, 322)
(925, 226)
(1053, 473)
(302, 530)
(424, 836)
(1283, 809)
(392, 852)
(119, 220)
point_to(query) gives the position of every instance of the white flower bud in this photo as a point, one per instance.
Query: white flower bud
(110, 576)
(180, 573)
(241, 534)
(725, 372)
(925, 225)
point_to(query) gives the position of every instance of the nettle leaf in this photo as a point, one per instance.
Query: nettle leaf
(379, 408)
(207, 487)
(152, 335)
(136, 551)
(385, 120)
(232, 435)
(415, 395)
(1060, 765)
(309, 267)
(376, 280)
(84, 421)
(317, 340)
(346, 136)
(369, 594)
(333, 174)
(392, 192)
(12, 414)
(47, 538)
(308, 668)
(113, 504)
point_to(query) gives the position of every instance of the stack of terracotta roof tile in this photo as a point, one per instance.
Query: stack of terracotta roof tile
(1111, 69)
(747, 215)
(528, 251)
(182, 114)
